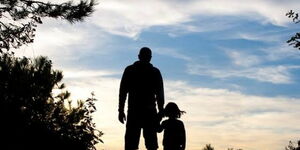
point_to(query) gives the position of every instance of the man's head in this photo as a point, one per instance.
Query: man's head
(145, 54)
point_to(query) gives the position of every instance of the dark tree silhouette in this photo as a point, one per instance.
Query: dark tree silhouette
(291, 146)
(295, 39)
(32, 117)
(19, 18)
(208, 147)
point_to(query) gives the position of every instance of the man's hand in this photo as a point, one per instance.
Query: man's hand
(122, 117)
(160, 115)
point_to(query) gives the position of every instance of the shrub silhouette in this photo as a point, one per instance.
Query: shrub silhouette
(32, 117)
(208, 147)
(291, 146)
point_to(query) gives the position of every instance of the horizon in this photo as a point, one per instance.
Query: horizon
(225, 63)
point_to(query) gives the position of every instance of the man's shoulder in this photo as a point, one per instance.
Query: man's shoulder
(156, 69)
(129, 67)
(135, 66)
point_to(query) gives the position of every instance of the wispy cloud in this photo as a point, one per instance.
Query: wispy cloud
(272, 74)
(270, 11)
(55, 40)
(201, 24)
(261, 37)
(252, 64)
(65, 43)
(130, 18)
(172, 53)
(280, 52)
(79, 73)
(243, 59)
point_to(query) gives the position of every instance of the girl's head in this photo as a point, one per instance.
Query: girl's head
(172, 111)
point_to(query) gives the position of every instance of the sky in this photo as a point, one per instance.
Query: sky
(225, 62)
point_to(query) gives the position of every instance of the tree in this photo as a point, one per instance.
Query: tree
(292, 147)
(208, 147)
(32, 117)
(294, 40)
(19, 18)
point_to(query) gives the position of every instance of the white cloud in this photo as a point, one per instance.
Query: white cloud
(55, 40)
(78, 73)
(280, 52)
(65, 43)
(172, 53)
(243, 59)
(250, 65)
(271, 11)
(129, 18)
(273, 74)
(263, 37)
(201, 24)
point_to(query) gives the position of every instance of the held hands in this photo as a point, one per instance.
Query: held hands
(122, 117)
(160, 115)
(159, 118)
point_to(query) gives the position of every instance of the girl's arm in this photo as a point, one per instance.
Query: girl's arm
(160, 127)
(183, 137)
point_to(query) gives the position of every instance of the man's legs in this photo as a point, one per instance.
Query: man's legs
(150, 137)
(133, 131)
(132, 137)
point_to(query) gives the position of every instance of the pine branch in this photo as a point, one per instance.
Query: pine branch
(14, 35)
(295, 39)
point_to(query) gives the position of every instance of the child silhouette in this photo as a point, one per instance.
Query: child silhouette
(174, 132)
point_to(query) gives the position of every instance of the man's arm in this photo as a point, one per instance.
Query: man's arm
(160, 92)
(122, 95)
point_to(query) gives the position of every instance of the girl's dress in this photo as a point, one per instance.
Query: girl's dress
(174, 134)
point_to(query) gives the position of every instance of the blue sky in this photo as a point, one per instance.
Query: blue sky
(226, 63)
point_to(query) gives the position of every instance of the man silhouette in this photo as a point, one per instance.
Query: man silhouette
(144, 85)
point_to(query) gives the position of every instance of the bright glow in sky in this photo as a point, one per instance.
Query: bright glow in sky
(226, 63)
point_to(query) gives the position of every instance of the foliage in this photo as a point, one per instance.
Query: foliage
(233, 149)
(19, 18)
(208, 147)
(32, 117)
(294, 40)
(291, 146)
